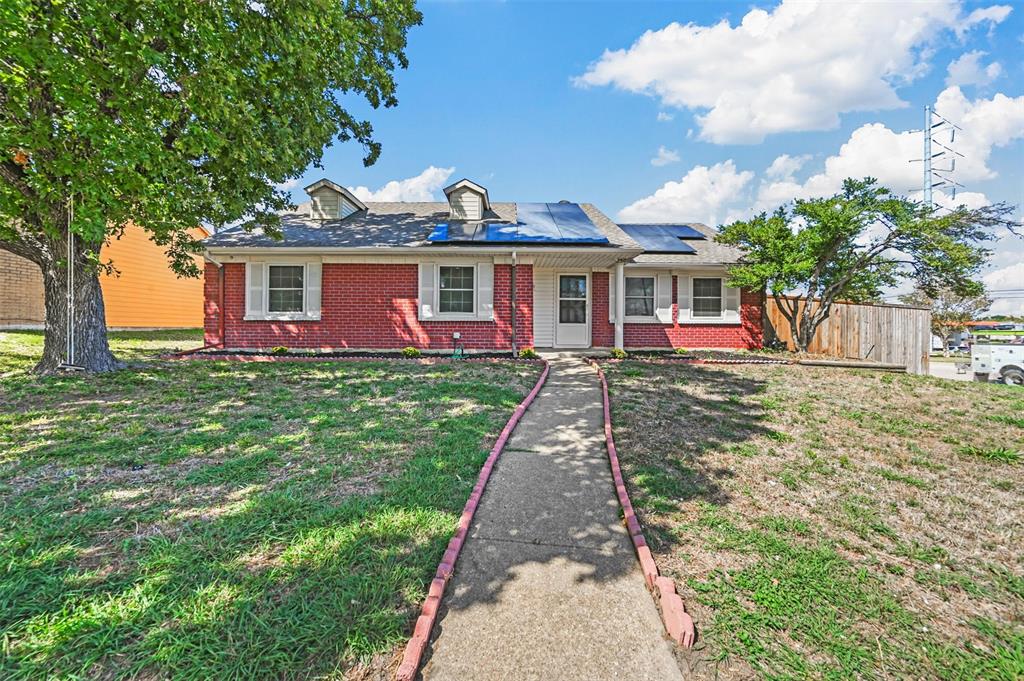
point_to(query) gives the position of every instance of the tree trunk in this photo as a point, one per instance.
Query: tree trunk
(89, 350)
(801, 318)
(804, 336)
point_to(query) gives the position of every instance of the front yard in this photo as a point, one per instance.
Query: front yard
(221, 520)
(827, 523)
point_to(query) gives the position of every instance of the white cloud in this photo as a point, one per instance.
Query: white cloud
(967, 70)
(875, 150)
(797, 67)
(287, 185)
(701, 195)
(422, 187)
(992, 15)
(722, 193)
(785, 166)
(997, 281)
(664, 117)
(664, 157)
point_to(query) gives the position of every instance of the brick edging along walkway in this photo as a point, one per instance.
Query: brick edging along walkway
(428, 614)
(678, 623)
(194, 356)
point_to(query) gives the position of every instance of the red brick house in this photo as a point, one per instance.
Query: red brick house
(354, 275)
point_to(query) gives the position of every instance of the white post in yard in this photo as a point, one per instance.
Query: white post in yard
(620, 302)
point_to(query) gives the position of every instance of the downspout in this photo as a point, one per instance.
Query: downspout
(515, 285)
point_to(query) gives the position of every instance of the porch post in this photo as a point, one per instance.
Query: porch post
(620, 302)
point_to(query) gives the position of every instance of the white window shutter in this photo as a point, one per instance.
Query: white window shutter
(255, 286)
(663, 303)
(732, 304)
(428, 287)
(611, 296)
(683, 298)
(313, 271)
(485, 290)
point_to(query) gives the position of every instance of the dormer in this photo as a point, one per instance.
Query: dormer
(467, 200)
(330, 201)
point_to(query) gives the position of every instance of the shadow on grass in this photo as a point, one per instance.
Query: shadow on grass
(270, 562)
(548, 542)
(683, 416)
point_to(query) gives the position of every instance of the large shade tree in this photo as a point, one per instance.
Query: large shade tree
(168, 114)
(854, 245)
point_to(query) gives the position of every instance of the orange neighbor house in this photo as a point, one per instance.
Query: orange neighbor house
(145, 294)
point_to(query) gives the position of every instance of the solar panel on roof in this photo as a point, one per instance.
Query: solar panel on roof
(662, 238)
(535, 223)
(573, 223)
(557, 223)
(501, 232)
(678, 231)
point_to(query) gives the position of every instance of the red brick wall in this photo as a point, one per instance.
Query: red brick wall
(21, 292)
(370, 306)
(602, 332)
(746, 334)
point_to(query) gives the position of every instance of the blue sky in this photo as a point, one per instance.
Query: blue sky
(749, 105)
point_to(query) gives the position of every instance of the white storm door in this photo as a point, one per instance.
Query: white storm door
(572, 313)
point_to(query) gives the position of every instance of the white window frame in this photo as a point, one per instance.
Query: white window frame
(721, 299)
(265, 314)
(654, 298)
(300, 314)
(730, 296)
(456, 316)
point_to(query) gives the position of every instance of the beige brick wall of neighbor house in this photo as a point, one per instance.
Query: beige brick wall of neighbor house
(21, 292)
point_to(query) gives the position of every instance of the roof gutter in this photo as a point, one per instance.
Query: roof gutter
(409, 250)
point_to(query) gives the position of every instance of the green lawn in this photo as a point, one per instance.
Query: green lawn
(832, 524)
(201, 520)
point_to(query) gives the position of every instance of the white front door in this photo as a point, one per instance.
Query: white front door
(572, 311)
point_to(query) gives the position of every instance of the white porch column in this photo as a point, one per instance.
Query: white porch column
(620, 302)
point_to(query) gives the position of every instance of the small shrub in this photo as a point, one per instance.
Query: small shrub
(682, 351)
(1017, 421)
(619, 353)
(528, 353)
(279, 350)
(998, 454)
(411, 352)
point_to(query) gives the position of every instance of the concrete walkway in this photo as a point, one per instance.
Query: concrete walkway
(547, 585)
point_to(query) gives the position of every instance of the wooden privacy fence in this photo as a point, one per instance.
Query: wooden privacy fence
(872, 332)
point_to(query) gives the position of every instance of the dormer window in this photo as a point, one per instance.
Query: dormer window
(330, 201)
(467, 200)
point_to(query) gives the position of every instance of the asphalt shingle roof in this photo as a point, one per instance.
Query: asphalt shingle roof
(407, 224)
(382, 225)
(709, 252)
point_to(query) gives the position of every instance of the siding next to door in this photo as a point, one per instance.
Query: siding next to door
(544, 308)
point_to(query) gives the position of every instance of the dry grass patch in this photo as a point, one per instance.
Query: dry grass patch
(832, 523)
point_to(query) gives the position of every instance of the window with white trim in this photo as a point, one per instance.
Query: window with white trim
(456, 290)
(707, 297)
(285, 288)
(639, 296)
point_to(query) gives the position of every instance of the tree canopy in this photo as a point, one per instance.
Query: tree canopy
(168, 114)
(951, 311)
(854, 245)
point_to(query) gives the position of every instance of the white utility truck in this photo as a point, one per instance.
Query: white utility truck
(1006, 360)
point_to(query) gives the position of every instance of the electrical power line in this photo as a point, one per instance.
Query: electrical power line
(942, 177)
